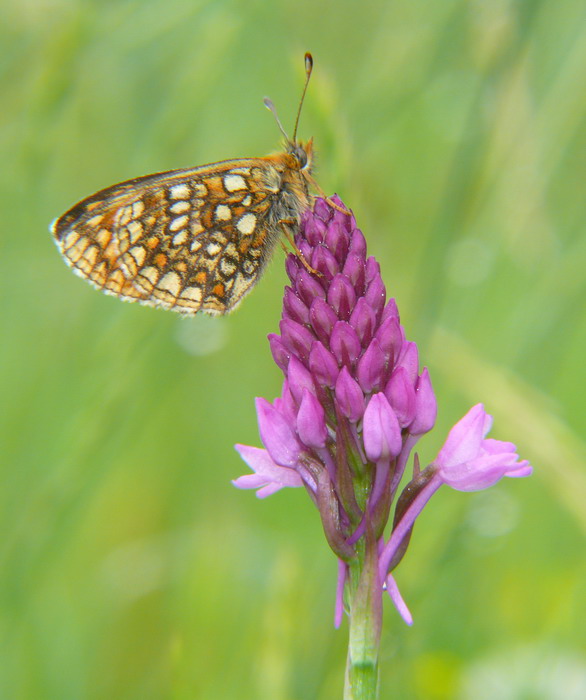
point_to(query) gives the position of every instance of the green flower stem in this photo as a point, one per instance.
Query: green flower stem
(364, 601)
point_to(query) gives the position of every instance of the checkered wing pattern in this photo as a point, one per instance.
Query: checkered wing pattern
(186, 240)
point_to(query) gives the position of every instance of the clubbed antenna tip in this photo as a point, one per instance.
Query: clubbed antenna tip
(308, 69)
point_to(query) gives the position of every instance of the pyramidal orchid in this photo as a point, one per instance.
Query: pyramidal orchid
(354, 404)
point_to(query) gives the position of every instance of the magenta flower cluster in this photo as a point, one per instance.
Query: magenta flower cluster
(354, 404)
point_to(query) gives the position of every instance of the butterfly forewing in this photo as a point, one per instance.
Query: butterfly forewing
(188, 240)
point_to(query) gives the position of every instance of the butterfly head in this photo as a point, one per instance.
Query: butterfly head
(303, 154)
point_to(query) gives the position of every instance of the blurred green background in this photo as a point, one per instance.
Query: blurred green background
(130, 567)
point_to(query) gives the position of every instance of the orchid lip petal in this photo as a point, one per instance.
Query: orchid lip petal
(470, 462)
(268, 476)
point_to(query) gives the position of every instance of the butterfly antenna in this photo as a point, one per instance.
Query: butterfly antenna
(308, 69)
(269, 105)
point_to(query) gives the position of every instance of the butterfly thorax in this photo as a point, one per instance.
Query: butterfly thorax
(289, 178)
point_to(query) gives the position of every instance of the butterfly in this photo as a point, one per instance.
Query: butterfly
(195, 239)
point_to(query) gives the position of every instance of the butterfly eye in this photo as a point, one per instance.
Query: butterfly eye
(301, 156)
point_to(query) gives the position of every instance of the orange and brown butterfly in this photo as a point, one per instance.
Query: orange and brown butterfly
(192, 239)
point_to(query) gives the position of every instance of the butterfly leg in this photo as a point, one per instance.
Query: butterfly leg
(337, 207)
(285, 224)
(321, 193)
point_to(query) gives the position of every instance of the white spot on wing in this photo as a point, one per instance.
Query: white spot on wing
(241, 171)
(179, 223)
(103, 237)
(135, 230)
(138, 253)
(246, 224)
(180, 238)
(213, 249)
(137, 209)
(179, 207)
(179, 192)
(124, 216)
(227, 268)
(223, 212)
(151, 274)
(192, 293)
(234, 182)
(171, 283)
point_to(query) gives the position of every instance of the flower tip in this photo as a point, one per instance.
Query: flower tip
(349, 396)
(381, 429)
(243, 450)
(523, 469)
(322, 209)
(425, 405)
(311, 424)
(268, 477)
(276, 434)
(397, 598)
